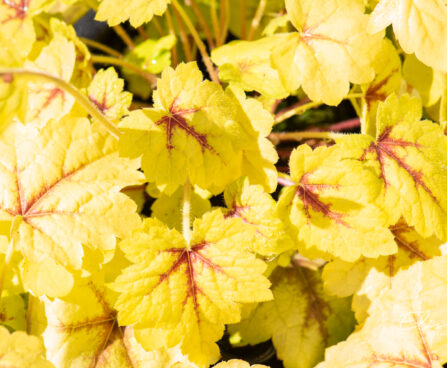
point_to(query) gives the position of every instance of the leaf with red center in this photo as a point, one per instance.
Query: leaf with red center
(189, 292)
(15, 20)
(62, 185)
(368, 278)
(330, 208)
(106, 92)
(330, 48)
(45, 100)
(405, 326)
(191, 133)
(409, 157)
(81, 330)
(258, 209)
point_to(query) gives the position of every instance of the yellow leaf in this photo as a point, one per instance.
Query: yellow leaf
(106, 92)
(45, 100)
(247, 63)
(409, 157)
(428, 82)
(137, 12)
(330, 49)
(330, 208)
(191, 133)
(236, 363)
(406, 326)
(368, 278)
(301, 319)
(189, 291)
(388, 78)
(258, 153)
(258, 209)
(419, 25)
(62, 185)
(21, 350)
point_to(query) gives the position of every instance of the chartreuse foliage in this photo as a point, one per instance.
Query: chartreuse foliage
(141, 220)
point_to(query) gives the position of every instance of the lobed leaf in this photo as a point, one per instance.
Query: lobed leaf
(189, 291)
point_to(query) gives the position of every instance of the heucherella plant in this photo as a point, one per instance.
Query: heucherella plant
(148, 217)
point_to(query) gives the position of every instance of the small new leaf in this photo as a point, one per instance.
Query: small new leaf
(106, 92)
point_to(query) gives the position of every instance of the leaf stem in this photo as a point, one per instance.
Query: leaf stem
(224, 21)
(285, 180)
(102, 47)
(203, 25)
(297, 136)
(198, 41)
(60, 83)
(121, 32)
(183, 36)
(243, 20)
(172, 32)
(296, 109)
(214, 20)
(186, 212)
(257, 19)
(101, 59)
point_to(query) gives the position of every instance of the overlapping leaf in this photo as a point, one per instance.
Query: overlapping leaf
(61, 185)
(258, 209)
(106, 92)
(329, 209)
(189, 291)
(45, 100)
(258, 153)
(330, 49)
(137, 11)
(409, 157)
(369, 278)
(248, 64)
(21, 350)
(190, 134)
(80, 330)
(419, 25)
(301, 320)
(406, 326)
(388, 78)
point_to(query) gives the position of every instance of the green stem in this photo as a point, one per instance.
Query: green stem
(198, 41)
(288, 113)
(297, 136)
(102, 47)
(172, 32)
(186, 211)
(224, 21)
(120, 31)
(203, 24)
(60, 83)
(257, 19)
(101, 59)
(214, 20)
(243, 20)
(183, 36)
